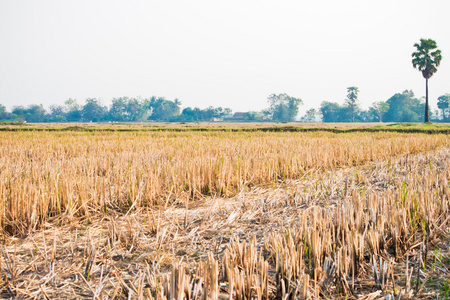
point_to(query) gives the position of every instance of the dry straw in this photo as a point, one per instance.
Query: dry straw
(44, 175)
(310, 215)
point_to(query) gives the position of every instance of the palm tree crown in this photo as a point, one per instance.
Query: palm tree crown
(426, 60)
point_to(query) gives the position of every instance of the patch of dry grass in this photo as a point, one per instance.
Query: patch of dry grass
(71, 174)
(362, 216)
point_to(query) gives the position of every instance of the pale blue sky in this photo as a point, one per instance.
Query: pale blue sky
(221, 53)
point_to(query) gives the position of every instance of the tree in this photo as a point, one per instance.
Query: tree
(253, 116)
(369, 115)
(19, 112)
(3, 112)
(136, 110)
(283, 108)
(426, 59)
(118, 109)
(352, 100)
(220, 112)
(34, 113)
(73, 110)
(443, 103)
(93, 110)
(163, 110)
(330, 111)
(208, 114)
(188, 115)
(333, 112)
(57, 113)
(202, 115)
(310, 115)
(404, 107)
(380, 108)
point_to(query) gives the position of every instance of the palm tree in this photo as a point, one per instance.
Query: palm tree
(352, 100)
(426, 59)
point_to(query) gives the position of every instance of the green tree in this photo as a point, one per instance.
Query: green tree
(57, 113)
(253, 116)
(118, 109)
(330, 111)
(208, 113)
(36, 113)
(369, 115)
(283, 108)
(404, 107)
(19, 113)
(163, 110)
(352, 100)
(188, 115)
(93, 110)
(73, 110)
(33, 113)
(310, 115)
(3, 112)
(202, 115)
(136, 110)
(426, 59)
(220, 112)
(443, 104)
(380, 108)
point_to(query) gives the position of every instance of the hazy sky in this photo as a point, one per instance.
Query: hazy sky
(221, 53)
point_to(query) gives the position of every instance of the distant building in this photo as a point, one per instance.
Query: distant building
(237, 117)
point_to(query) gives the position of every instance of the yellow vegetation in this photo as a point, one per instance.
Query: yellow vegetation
(46, 174)
(215, 215)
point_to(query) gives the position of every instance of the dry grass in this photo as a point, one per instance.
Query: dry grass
(306, 215)
(46, 175)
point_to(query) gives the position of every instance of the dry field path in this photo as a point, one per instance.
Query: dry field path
(375, 231)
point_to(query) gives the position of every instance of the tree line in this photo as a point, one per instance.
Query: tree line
(401, 107)
(156, 109)
(122, 109)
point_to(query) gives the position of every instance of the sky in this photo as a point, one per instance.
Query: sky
(221, 53)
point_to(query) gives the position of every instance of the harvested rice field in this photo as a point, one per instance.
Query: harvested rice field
(136, 214)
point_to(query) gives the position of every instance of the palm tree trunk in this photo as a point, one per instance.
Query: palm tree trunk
(427, 113)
